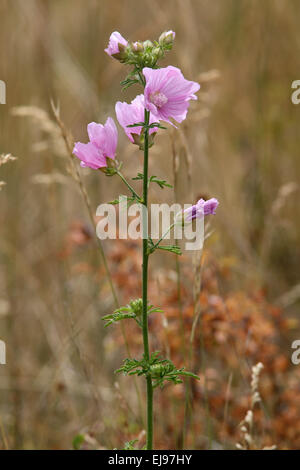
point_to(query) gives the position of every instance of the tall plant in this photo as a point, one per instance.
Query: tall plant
(166, 95)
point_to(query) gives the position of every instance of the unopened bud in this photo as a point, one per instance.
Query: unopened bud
(137, 47)
(122, 54)
(147, 44)
(137, 306)
(139, 139)
(167, 38)
(157, 53)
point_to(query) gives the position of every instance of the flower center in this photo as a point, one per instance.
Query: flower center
(158, 99)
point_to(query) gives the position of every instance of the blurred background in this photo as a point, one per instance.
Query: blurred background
(239, 144)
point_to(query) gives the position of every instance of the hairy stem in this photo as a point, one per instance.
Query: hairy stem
(145, 286)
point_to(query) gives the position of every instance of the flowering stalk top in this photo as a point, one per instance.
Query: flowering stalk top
(167, 93)
(139, 53)
(102, 145)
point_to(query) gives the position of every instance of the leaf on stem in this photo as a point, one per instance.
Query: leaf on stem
(153, 179)
(161, 370)
(128, 199)
(139, 176)
(156, 124)
(171, 248)
(161, 183)
(128, 82)
(133, 310)
(138, 124)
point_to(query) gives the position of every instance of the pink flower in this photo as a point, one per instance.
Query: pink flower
(201, 209)
(209, 206)
(115, 41)
(167, 93)
(102, 144)
(197, 211)
(133, 113)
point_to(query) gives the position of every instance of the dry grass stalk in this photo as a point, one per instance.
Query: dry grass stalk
(5, 158)
(248, 441)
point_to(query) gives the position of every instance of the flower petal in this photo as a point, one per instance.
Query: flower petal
(113, 46)
(89, 155)
(174, 88)
(111, 138)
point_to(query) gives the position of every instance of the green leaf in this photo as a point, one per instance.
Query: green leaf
(161, 183)
(156, 124)
(138, 124)
(114, 202)
(139, 176)
(171, 248)
(154, 179)
(161, 370)
(130, 445)
(129, 200)
(189, 374)
(78, 441)
(127, 83)
(133, 310)
(116, 316)
(131, 79)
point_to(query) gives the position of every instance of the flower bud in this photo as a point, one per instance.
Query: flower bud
(167, 38)
(197, 211)
(147, 44)
(117, 46)
(137, 47)
(122, 54)
(137, 306)
(139, 139)
(157, 53)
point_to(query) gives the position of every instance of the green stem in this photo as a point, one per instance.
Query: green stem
(145, 286)
(128, 185)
